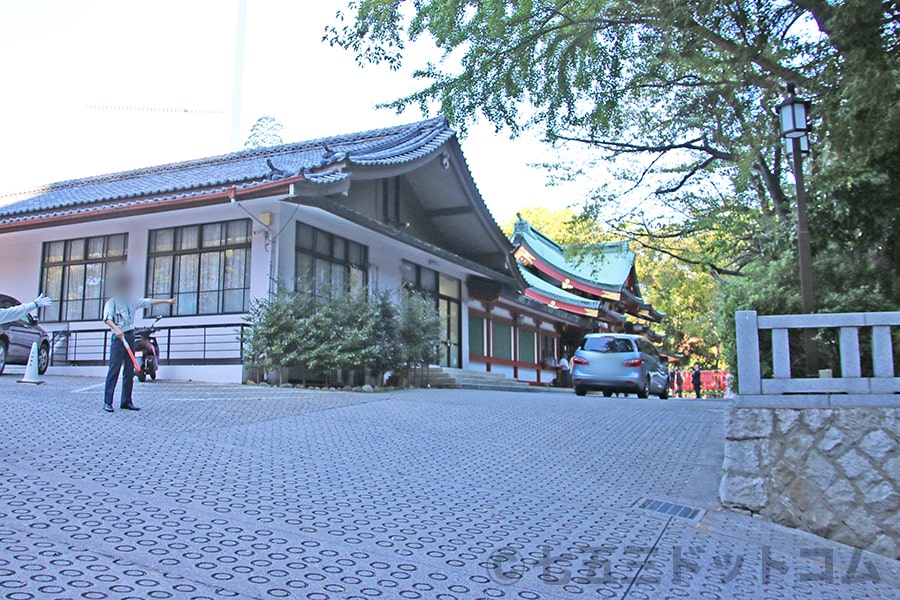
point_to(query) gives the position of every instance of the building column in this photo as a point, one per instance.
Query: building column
(515, 342)
(489, 336)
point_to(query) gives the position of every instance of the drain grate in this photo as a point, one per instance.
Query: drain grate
(671, 509)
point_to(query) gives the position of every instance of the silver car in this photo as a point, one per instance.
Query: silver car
(17, 337)
(619, 363)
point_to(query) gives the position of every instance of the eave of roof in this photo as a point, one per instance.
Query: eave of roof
(529, 256)
(609, 271)
(123, 208)
(358, 218)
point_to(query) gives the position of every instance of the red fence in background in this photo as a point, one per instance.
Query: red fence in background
(710, 381)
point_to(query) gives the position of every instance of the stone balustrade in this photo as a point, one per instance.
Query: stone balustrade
(822, 455)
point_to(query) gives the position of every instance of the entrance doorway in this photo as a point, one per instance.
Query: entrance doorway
(447, 292)
(449, 309)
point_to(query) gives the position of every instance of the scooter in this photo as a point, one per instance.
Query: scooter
(146, 350)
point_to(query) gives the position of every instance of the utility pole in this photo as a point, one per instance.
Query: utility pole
(237, 91)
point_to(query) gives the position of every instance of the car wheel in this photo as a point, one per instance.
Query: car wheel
(644, 392)
(607, 393)
(2, 357)
(43, 358)
(580, 391)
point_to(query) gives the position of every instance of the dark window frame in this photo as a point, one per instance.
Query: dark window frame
(390, 201)
(221, 249)
(435, 292)
(343, 259)
(57, 312)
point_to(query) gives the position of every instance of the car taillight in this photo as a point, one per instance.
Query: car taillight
(579, 361)
(634, 362)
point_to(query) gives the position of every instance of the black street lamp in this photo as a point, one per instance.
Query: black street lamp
(794, 129)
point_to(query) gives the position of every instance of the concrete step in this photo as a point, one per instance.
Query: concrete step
(445, 377)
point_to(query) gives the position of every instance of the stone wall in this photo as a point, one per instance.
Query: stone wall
(834, 471)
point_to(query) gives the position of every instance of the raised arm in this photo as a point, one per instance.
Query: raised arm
(17, 312)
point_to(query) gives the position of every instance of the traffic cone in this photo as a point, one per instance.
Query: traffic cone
(31, 369)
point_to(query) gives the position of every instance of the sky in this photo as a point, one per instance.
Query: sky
(90, 87)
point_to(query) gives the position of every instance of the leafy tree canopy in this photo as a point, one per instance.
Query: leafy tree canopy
(683, 291)
(681, 95)
(563, 225)
(265, 132)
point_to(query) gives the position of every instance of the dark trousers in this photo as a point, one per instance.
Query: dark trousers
(120, 361)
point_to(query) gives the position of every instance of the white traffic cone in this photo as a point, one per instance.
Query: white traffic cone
(31, 369)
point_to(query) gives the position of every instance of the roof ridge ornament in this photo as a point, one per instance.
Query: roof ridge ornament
(274, 172)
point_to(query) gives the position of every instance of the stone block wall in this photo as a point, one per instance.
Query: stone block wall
(834, 471)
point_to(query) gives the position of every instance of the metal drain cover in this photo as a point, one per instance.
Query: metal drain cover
(671, 509)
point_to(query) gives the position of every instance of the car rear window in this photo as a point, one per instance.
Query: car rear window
(607, 344)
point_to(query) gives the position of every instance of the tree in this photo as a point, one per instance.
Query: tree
(275, 338)
(680, 96)
(689, 297)
(418, 329)
(265, 132)
(683, 291)
(847, 282)
(386, 342)
(562, 225)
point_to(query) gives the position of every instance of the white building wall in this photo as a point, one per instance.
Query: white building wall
(20, 273)
(272, 257)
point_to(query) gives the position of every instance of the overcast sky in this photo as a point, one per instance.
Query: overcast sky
(96, 86)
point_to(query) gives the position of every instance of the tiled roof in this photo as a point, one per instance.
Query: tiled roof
(245, 169)
(607, 264)
(554, 291)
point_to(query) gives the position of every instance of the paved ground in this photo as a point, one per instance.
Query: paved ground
(230, 491)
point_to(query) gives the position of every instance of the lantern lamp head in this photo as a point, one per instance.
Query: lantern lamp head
(793, 115)
(804, 146)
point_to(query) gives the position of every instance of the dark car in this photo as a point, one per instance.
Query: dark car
(17, 337)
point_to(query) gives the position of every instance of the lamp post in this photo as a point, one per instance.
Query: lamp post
(794, 129)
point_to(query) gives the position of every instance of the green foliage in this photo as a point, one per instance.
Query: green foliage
(266, 131)
(418, 330)
(274, 338)
(846, 282)
(386, 340)
(688, 296)
(679, 97)
(346, 331)
(562, 225)
(339, 334)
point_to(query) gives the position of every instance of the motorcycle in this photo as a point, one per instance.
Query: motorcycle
(146, 351)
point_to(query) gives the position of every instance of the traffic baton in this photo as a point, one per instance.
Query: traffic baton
(137, 367)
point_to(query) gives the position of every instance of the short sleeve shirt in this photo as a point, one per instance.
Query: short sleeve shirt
(122, 311)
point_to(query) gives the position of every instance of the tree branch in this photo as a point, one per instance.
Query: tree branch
(693, 171)
(773, 186)
(717, 270)
(760, 60)
(698, 144)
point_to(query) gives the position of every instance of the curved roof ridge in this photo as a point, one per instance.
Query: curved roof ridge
(265, 152)
(408, 142)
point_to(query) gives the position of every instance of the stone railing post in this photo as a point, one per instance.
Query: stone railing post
(748, 352)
